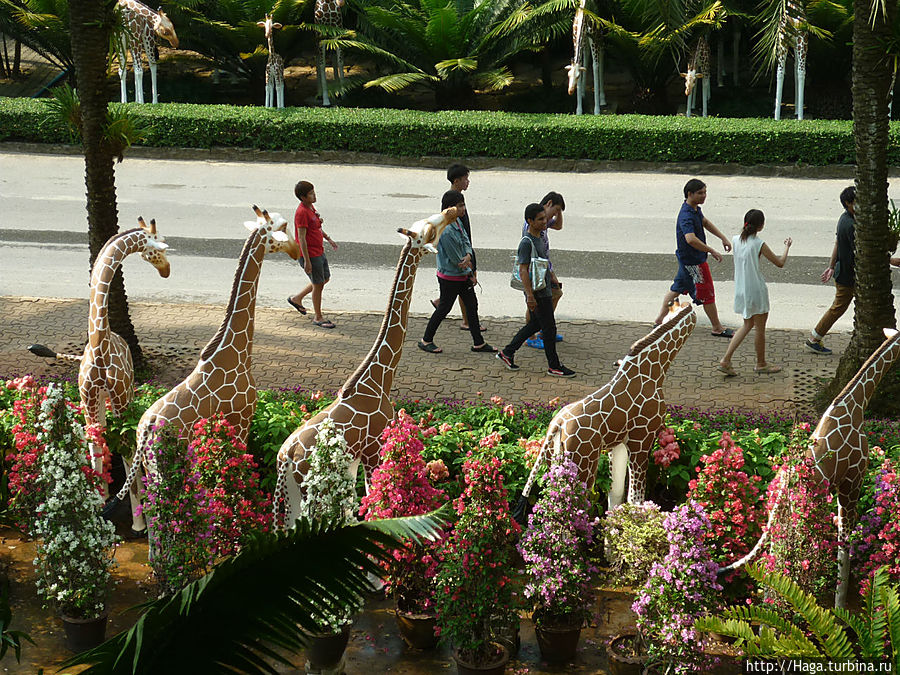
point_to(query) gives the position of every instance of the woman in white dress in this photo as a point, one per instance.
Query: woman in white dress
(751, 297)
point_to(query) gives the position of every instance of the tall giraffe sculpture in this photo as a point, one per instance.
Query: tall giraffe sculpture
(698, 69)
(328, 13)
(623, 416)
(362, 408)
(106, 372)
(791, 32)
(274, 66)
(840, 453)
(583, 33)
(222, 381)
(140, 28)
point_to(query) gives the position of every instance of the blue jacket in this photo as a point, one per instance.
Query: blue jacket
(452, 247)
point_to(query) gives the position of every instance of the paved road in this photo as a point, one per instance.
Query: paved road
(615, 253)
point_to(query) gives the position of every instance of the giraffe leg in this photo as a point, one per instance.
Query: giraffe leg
(690, 103)
(618, 466)
(138, 522)
(800, 80)
(268, 103)
(123, 72)
(138, 78)
(579, 89)
(339, 65)
(279, 91)
(597, 72)
(153, 81)
(779, 88)
(323, 79)
(706, 86)
(638, 459)
(843, 557)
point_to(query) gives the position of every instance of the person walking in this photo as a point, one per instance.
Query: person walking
(455, 278)
(539, 302)
(841, 267)
(310, 236)
(751, 296)
(554, 205)
(693, 277)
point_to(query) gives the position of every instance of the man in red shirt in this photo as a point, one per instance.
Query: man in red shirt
(309, 235)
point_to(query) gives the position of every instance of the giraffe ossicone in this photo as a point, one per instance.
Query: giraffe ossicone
(623, 417)
(141, 27)
(362, 408)
(222, 381)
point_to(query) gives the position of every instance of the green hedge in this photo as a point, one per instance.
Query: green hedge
(473, 133)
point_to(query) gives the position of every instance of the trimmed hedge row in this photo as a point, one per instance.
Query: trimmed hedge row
(472, 133)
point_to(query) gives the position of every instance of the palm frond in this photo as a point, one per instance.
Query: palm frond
(494, 80)
(279, 582)
(890, 601)
(464, 65)
(399, 81)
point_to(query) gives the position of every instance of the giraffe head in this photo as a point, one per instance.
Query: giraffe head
(154, 251)
(690, 79)
(163, 27)
(273, 230)
(269, 26)
(425, 233)
(574, 71)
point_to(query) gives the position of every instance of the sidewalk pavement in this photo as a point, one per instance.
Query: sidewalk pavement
(290, 351)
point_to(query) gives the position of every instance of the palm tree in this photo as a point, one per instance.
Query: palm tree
(872, 80)
(235, 618)
(91, 23)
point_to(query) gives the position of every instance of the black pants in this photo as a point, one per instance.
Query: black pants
(450, 290)
(541, 317)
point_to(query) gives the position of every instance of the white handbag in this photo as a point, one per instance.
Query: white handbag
(537, 270)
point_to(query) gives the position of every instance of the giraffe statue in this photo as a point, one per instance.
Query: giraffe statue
(106, 373)
(623, 416)
(222, 381)
(362, 408)
(698, 68)
(582, 32)
(328, 13)
(274, 66)
(140, 28)
(840, 453)
(791, 31)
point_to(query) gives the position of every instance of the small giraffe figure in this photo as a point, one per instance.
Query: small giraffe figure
(328, 13)
(274, 66)
(222, 381)
(791, 32)
(698, 68)
(840, 453)
(582, 32)
(623, 416)
(140, 28)
(362, 409)
(106, 373)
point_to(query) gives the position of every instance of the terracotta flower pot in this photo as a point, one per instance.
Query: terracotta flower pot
(417, 630)
(497, 667)
(621, 657)
(325, 651)
(558, 642)
(83, 634)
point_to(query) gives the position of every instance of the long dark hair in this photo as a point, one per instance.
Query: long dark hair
(754, 219)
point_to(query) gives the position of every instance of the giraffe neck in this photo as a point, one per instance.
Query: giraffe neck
(236, 332)
(105, 267)
(858, 391)
(270, 40)
(375, 374)
(139, 19)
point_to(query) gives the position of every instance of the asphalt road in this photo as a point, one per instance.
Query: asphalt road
(615, 254)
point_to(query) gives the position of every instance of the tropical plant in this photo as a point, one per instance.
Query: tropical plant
(75, 545)
(473, 578)
(400, 486)
(42, 25)
(813, 630)
(9, 639)
(249, 609)
(635, 541)
(556, 549)
(875, 542)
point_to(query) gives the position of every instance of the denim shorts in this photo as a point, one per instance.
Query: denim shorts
(320, 272)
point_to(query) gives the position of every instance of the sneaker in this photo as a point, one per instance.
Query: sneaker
(507, 360)
(562, 371)
(817, 347)
(537, 343)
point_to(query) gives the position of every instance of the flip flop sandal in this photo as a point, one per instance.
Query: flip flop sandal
(430, 348)
(325, 323)
(727, 333)
(768, 369)
(299, 308)
(486, 348)
(728, 370)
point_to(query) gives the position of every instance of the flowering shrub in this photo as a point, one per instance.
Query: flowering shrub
(635, 541)
(680, 589)
(556, 549)
(400, 487)
(668, 450)
(802, 534)
(472, 581)
(22, 472)
(731, 500)
(876, 540)
(329, 495)
(75, 545)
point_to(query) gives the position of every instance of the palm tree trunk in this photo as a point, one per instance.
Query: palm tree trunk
(91, 22)
(874, 302)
